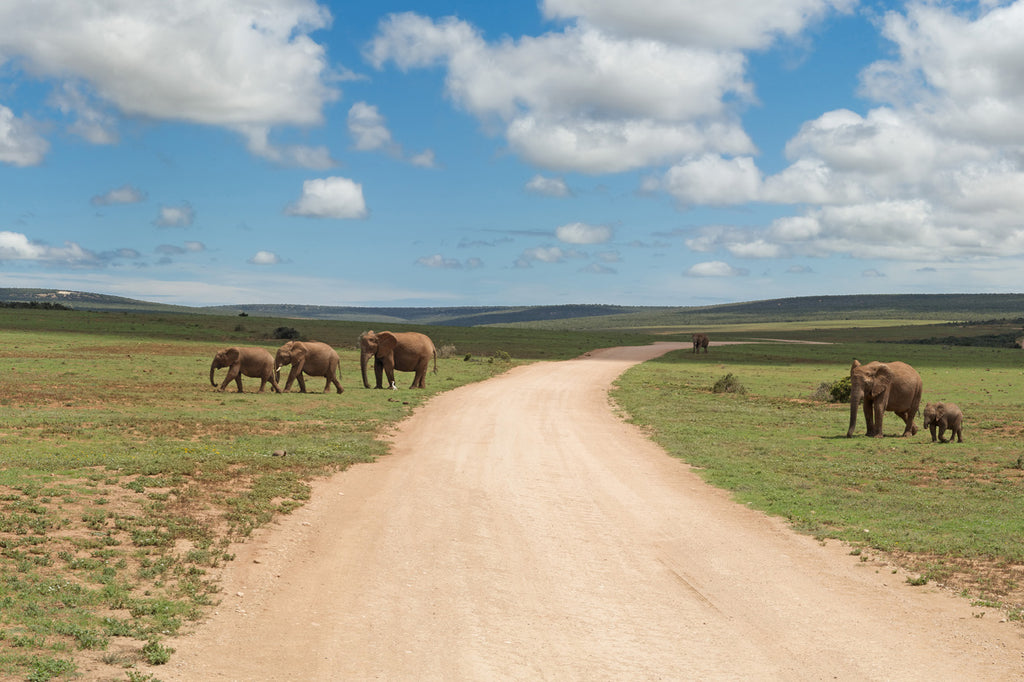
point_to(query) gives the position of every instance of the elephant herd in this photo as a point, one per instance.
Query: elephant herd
(896, 387)
(402, 351)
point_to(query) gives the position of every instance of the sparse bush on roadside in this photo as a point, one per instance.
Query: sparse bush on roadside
(447, 350)
(729, 384)
(500, 356)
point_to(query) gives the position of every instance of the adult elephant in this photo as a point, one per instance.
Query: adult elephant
(404, 351)
(700, 341)
(884, 387)
(251, 362)
(309, 357)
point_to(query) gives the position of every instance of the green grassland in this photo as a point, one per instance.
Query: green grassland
(124, 476)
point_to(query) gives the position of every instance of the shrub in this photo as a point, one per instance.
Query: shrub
(446, 351)
(286, 333)
(729, 384)
(840, 390)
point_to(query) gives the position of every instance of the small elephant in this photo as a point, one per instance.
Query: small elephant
(700, 341)
(252, 362)
(404, 351)
(884, 387)
(309, 357)
(944, 416)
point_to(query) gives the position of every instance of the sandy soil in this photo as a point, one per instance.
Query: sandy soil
(521, 531)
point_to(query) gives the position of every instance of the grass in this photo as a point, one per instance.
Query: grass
(954, 511)
(125, 477)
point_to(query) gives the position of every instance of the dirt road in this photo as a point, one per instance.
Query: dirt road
(521, 531)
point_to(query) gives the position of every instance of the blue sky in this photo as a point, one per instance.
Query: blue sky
(649, 152)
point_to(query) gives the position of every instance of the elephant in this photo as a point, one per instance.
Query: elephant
(944, 416)
(252, 362)
(404, 351)
(309, 357)
(884, 387)
(700, 341)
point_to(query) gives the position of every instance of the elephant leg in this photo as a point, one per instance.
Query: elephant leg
(378, 371)
(263, 384)
(869, 416)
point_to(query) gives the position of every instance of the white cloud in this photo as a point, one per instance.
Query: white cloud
(264, 258)
(424, 159)
(934, 173)
(581, 99)
(303, 156)
(437, 261)
(19, 143)
(715, 269)
(367, 128)
(722, 24)
(15, 246)
(90, 122)
(713, 180)
(581, 233)
(176, 216)
(125, 194)
(234, 63)
(552, 187)
(331, 197)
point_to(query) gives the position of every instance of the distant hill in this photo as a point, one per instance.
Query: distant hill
(908, 306)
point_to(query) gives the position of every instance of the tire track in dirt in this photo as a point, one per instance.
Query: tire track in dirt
(521, 531)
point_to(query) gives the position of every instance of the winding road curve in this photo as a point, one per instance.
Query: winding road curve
(522, 531)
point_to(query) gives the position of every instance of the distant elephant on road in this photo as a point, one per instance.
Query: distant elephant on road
(309, 357)
(252, 362)
(884, 387)
(944, 416)
(700, 341)
(404, 351)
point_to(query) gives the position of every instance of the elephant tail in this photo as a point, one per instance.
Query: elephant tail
(435, 360)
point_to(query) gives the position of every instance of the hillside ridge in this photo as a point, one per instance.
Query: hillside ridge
(853, 306)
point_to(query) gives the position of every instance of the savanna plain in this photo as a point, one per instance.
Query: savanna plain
(126, 479)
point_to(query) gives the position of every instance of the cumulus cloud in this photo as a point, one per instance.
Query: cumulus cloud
(264, 258)
(367, 128)
(738, 24)
(715, 269)
(581, 99)
(332, 197)
(233, 63)
(20, 145)
(934, 172)
(15, 246)
(545, 254)
(552, 187)
(125, 194)
(176, 216)
(581, 233)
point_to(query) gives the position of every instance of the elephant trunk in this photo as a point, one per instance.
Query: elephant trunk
(855, 398)
(213, 366)
(363, 358)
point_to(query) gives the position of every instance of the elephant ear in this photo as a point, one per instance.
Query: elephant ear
(883, 379)
(386, 342)
(231, 355)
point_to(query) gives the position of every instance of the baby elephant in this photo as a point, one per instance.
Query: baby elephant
(945, 416)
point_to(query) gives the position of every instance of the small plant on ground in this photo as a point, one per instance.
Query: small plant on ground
(729, 384)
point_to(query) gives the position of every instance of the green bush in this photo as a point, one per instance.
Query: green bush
(729, 384)
(840, 390)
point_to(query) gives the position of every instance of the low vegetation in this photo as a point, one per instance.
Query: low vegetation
(125, 478)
